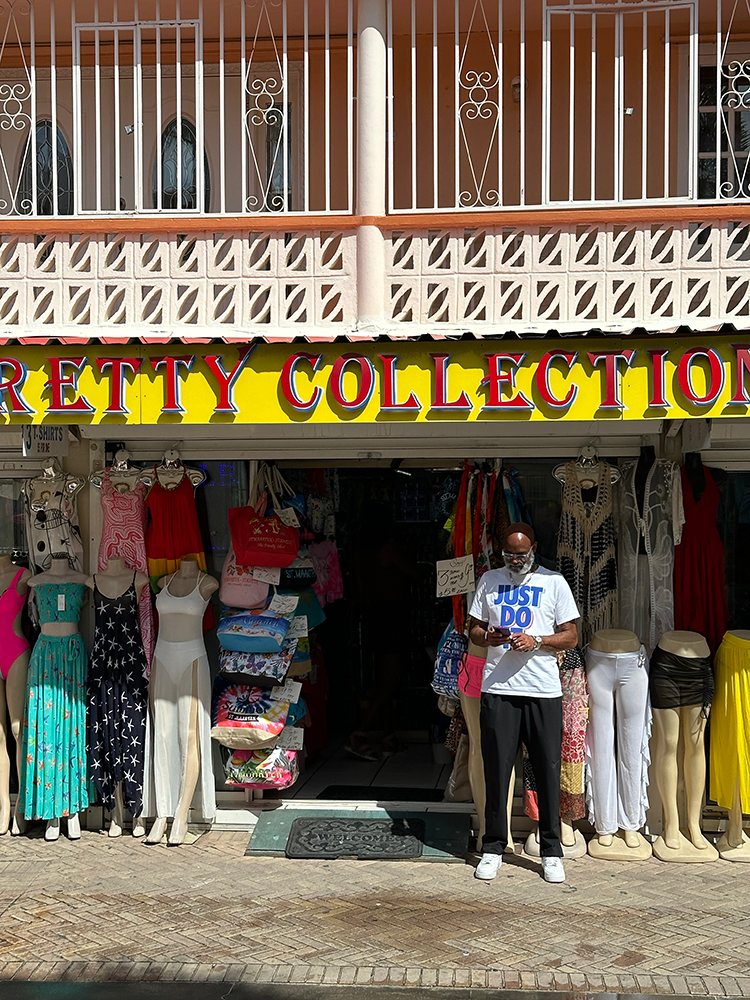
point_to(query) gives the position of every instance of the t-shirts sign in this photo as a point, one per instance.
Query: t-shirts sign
(455, 576)
(535, 606)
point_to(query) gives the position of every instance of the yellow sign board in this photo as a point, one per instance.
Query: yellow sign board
(623, 378)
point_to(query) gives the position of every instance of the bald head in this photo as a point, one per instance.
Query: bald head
(519, 547)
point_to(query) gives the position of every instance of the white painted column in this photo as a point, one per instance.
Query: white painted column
(371, 160)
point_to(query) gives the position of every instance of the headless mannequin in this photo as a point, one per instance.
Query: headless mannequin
(12, 701)
(674, 844)
(112, 583)
(39, 488)
(171, 472)
(696, 474)
(123, 476)
(646, 460)
(60, 572)
(173, 628)
(625, 845)
(735, 843)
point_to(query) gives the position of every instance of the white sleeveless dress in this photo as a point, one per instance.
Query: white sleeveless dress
(169, 718)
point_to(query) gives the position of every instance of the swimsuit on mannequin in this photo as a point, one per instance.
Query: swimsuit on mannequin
(730, 741)
(178, 741)
(14, 663)
(617, 671)
(117, 694)
(53, 766)
(679, 705)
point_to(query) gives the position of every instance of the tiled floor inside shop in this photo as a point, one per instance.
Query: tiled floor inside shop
(415, 768)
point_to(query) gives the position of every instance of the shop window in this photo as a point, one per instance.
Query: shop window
(45, 202)
(12, 526)
(188, 168)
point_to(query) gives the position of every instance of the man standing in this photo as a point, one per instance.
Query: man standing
(525, 614)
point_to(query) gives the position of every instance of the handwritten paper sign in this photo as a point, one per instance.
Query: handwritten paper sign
(455, 576)
(290, 691)
(284, 604)
(288, 517)
(267, 574)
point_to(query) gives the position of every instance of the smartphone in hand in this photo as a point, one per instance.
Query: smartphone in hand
(503, 632)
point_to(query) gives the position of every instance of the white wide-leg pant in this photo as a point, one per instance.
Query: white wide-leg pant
(618, 770)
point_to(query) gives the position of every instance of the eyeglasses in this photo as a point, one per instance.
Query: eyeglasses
(516, 556)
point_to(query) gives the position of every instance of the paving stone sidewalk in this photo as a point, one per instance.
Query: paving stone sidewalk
(103, 909)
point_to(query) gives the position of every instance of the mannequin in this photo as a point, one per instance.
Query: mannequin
(13, 669)
(180, 704)
(678, 845)
(171, 472)
(617, 673)
(55, 700)
(586, 468)
(729, 741)
(117, 687)
(123, 476)
(53, 492)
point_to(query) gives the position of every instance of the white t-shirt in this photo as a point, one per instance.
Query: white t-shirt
(542, 601)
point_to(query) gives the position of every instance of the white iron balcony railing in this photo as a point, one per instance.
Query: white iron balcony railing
(501, 103)
(248, 107)
(210, 107)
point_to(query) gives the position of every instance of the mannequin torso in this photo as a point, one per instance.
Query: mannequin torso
(615, 640)
(13, 671)
(115, 580)
(59, 573)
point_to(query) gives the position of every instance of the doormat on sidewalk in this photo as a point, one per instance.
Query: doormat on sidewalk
(443, 837)
(364, 839)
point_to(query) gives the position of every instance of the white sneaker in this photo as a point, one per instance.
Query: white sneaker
(488, 866)
(553, 870)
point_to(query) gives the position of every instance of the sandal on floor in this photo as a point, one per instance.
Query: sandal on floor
(359, 747)
(393, 745)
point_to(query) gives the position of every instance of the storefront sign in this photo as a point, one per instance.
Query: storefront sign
(47, 441)
(623, 378)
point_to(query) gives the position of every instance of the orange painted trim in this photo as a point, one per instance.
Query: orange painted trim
(427, 220)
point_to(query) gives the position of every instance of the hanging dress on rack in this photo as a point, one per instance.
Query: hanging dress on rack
(52, 525)
(173, 533)
(53, 763)
(646, 595)
(124, 536)
(700, 597)
(117, 700)
(586, 554)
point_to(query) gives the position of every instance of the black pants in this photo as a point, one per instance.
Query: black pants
(505, 722)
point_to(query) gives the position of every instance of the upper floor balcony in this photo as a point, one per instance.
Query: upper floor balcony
(117, 108)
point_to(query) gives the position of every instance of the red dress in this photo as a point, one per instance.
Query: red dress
(700, 599)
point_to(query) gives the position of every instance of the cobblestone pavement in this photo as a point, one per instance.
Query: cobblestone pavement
(103, 909)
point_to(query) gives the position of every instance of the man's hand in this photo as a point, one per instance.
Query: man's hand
(522, 642)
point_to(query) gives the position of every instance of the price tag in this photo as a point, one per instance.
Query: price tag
(267, 574)
(284, 604)
(290, 738)
(288, 517)
(290, 691)
(297, 627)
(61, 602)
(455, 576)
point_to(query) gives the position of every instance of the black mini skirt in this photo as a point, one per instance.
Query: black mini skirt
(675, 681)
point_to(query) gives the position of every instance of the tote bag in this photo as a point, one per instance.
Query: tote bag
(238, 588)
(450, 654)
(259, 539)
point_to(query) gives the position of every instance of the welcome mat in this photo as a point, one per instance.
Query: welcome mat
(364, 839)
(444, 836)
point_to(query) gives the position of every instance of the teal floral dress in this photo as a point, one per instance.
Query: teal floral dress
(53, 767)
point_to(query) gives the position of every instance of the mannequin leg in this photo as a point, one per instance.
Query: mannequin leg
(159, 826)
(631, 698)
(601, 736)
(4, 766)
(470, 707)
(693, 728)
(667, 725)
(192, 771)
(118, 814)
(15, 695)
(735, 834)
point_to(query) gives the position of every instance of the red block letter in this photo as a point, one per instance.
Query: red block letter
(171, 367)
(226, 381)
(366, 381)
(119, 368)
(390, 392)
(542, 379)
(685, 375)
(59, 383)
(10, 388)
(497, 379)
(440, 387)
(612, 380)
(289, 388)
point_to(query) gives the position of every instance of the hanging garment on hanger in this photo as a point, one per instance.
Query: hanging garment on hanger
(646, 597)
(700, 596)
(124, 536)
(586, 554)
(730, 723)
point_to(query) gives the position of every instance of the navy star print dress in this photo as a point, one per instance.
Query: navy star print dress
(117, 700)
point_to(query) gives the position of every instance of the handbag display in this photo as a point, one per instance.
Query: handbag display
(238, 588)
(261, 632)
(262, 768)
(245, 716)
(259, 539)
(450, 653)
(272, 665)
